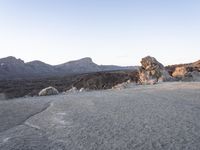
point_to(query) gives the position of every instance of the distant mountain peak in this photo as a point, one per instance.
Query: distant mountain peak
(36, 62)
(82, 60)
(13, 68)
(11, 59)
(87, 59)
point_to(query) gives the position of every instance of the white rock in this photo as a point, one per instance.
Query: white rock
(128, 81)
(72, 90)
(82, 90)
(48, 91)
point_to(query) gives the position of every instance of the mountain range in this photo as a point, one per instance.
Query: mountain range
(13, 68)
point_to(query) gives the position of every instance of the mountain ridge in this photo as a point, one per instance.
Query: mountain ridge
(13, 68)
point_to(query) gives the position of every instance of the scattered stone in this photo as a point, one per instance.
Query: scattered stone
(82, 90)
(152, 81)
(48, 91)
(128, 81)
(73, 90)
(120, 86)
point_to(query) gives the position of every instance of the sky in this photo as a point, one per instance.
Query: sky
(118, 32)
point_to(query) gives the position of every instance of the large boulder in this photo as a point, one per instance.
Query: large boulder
(152, 71)
(48, 91)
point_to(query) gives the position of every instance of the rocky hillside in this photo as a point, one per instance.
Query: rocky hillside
(195, 66)
(84, 73)
(12, 68)
(93, 81)
(185, 72)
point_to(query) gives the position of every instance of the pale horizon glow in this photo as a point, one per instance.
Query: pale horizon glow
(111, 32)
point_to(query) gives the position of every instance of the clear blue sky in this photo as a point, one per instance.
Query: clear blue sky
(117, 32)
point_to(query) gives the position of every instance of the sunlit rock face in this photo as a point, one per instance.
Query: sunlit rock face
(152, 71)
(186, 73)
(180, 72)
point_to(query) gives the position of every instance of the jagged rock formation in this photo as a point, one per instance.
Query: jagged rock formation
(152, 71)
(185, 72)
(48, 91)
(195, 66)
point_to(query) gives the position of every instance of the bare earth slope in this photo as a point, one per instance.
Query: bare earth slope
(163, 116)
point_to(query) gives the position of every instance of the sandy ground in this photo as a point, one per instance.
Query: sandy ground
(163, 116)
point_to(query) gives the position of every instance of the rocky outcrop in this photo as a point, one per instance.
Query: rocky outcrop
(91, 81)
(190, 67)
(180, 72)
(48, 91)
(186, 73)
(152, 71)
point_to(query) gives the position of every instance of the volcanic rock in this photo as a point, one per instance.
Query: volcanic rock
(186, 73)
(152, 71)
(180, 72)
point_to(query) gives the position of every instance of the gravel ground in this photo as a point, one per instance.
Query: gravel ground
(162, 116)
